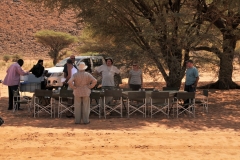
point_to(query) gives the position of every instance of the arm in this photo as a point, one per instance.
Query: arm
(65, 70)
(196, 82)
(98, 70)
(21, 72)
(197, 78)
(31, 69)
(92, 80)
(95, 73)
(69, 70)
(70, 83)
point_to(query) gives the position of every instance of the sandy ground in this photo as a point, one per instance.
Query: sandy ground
(208, 136)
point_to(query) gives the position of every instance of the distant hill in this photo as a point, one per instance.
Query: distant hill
(20, 20)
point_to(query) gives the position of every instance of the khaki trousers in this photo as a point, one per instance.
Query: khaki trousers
(81, 109)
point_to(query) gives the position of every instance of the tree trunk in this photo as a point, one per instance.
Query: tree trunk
(54, 55)
(176, 71)
(226, 62)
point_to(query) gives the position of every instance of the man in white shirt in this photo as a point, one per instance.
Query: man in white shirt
(108, 71)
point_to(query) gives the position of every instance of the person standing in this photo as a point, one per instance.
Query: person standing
(66, 70)
(108, 71)
(12, 80)
(81, 83)
(71, 70)
(192, 77)
(135, 79)
(38, 71)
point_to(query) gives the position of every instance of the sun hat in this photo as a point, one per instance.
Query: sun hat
(82, 66)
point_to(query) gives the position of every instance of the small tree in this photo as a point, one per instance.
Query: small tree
(56, 41)
(16, 57)
(6, 58)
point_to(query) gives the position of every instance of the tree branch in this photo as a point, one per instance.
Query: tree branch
(209, 49)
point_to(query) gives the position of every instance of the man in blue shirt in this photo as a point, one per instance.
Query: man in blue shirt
(192, 77)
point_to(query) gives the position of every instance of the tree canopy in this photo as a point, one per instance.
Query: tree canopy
(162, 33)
(56, 41)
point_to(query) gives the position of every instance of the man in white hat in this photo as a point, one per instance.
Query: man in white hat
(81, 83)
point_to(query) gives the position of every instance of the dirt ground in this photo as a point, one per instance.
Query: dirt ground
(208, 136)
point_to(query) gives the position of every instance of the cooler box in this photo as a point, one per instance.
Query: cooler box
(29, 87)
(31, 78)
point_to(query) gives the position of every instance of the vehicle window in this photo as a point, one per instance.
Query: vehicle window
(88, 63)
(63, 62)
(77, 60)
(97, 61)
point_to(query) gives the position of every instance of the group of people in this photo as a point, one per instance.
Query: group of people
(81, 82)
(12, 78)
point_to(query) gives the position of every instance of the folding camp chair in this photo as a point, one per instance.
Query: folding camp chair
(147, 89)
(203, 100)
(65, 102)
(182, 106)
(124, 97)
(136, 102)
(159, 103)
(19, 99)
(95, 106)
(170, 89)
(42, 102)
(115, 105)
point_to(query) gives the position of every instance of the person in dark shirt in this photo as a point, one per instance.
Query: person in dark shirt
(38, 71)
(65, 69)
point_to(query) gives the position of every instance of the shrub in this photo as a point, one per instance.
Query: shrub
(2, 64)
(6, 58)
(16, 57)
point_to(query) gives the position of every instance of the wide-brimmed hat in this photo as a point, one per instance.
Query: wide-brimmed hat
(82, 66)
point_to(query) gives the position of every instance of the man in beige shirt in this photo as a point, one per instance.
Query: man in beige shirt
(81, 83)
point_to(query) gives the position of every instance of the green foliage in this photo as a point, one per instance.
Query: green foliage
(160, 34)
(56, 41)
(6, 58)
(64, 54)
(15, 57)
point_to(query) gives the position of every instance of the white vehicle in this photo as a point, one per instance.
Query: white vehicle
(56, 75)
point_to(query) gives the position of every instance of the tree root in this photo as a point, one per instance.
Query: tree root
(221, 85)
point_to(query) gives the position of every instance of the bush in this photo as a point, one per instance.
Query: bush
(6, 58)
(2, 64)
(16, 57)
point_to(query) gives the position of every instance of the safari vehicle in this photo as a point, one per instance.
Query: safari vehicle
(56, 78)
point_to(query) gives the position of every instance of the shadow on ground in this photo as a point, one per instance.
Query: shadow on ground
(223, 114)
